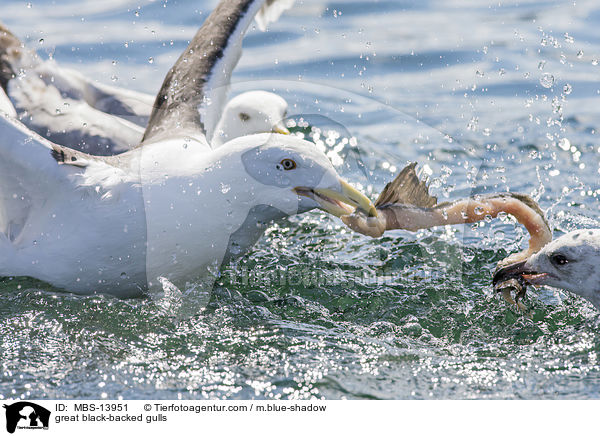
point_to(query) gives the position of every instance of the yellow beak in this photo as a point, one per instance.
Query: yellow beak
(280, 128)
(336, 202)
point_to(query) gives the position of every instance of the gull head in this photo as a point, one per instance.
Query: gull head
(249, 113)
(570, 262)
(292, 175)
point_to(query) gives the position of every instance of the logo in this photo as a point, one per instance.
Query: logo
(26, 415)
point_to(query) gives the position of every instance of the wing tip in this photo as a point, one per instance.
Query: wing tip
(270, 11)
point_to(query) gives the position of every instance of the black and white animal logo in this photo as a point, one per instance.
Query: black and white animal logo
(26, 415)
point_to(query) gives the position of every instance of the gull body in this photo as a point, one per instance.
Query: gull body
(170, 211)
(167, 210)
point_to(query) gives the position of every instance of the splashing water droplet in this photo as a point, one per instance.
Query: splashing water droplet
(567, 89)
(225, 188)
(547, 80)
(564, 143)
(580, 54)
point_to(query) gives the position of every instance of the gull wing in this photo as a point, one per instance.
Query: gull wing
(32, 171)
(192, 96)
(64, 106)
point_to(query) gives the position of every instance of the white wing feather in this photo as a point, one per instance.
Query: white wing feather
(28, 174)
(271, 11)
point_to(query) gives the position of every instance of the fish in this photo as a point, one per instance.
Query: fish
(405, 203)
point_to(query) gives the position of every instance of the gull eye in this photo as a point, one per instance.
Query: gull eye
(244, 116)
(559, 259)
(287, 164)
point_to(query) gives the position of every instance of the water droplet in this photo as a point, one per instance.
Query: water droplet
(150, 60)
(41, 41)
(580, 54)
(123, 275)
(225, 188)
(564, 143)
(29, 5)
(478, 210)
(547, 80)
(541, 65)
(114, 78)
(567, 89)
(569, 38)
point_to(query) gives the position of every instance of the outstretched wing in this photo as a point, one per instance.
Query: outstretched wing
(64, 106)
(193, 93)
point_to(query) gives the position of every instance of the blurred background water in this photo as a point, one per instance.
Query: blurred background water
(485, 96)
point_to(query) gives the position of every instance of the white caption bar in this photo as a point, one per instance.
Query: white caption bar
(158, 417)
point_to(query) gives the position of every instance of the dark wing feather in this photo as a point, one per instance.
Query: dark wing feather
(10, 47)
(186, 85)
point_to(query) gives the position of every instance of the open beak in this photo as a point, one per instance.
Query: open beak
(280, 128)
(518, 271)
(342, 202)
